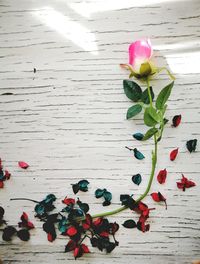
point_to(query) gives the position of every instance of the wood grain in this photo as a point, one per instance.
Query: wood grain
(67, 120)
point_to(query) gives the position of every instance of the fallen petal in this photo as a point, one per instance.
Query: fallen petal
(161, 177)
(23, 164)
(176, 120)
(191, 145)
(173, 154)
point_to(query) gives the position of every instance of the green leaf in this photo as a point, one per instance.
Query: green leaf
(151, 118)
(133, 111)
(132, 90)
(145, 96)
(152, 131)
(163, 96)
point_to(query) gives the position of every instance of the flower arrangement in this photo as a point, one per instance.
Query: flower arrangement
(74, 220)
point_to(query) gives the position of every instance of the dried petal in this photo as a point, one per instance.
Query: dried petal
(137, 179)
(185, 183)
(191, 145)
(161, 177)
(158, 197)
(85, 248)
(173, 154)
(138, 155)
(72, 231)
(23, 164)
(68, 201)
(23, 234)
(70, 246)
(138, 136)
(176, 120)
(129, 223)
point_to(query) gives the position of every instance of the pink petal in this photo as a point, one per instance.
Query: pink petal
(140, 49)
(23, 164)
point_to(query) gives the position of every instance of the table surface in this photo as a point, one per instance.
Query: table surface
(68, 120)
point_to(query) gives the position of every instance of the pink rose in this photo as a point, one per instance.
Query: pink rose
(140, 52)
(140, 64)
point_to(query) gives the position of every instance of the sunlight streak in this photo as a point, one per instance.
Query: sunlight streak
(74, 31)
(184, 63)
(86, 9)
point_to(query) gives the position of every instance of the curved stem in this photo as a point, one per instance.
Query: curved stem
(26, 199)
(154, 162)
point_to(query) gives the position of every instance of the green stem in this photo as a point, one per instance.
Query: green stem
(154, 162)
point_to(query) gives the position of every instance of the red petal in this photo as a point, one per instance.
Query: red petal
(104, 234)
(173, 154)
(85, 248)
(23, 164)
(185, 183)
(161, 177)
(98, 221)
(155, 197)
(68, 201)
(176, 120)
(70, 246)
(24, 217)
(78, 252)
(49, 237)
(1, 184)
(1, 167)
(142, 206)
(72, 231)
(158, 197)
(7, 174)
(30, 225)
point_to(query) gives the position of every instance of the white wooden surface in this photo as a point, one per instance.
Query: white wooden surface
(68, 119)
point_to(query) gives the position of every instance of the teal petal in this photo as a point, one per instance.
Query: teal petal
(138, 136)
(107, 196)
(137, 179)
(50, 198)
(39, 209)
(83, 185)
(138, 154)
(99, 193)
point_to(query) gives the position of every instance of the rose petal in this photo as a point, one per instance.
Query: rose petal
(176, 120)
(173, 154)
(161, 177)
(141, 49)
(23, 164)
(85, 248)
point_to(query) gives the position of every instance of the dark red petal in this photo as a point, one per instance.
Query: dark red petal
(85, 248)
(176, 120)
(180, 185)
(68, 201)
(72, 231)
(161, 177)
(24, 217)
(23, 164)
(70, 246)
(173, 154)
(104, 234)
(1, 184)
(7, 174)
(1, 167)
